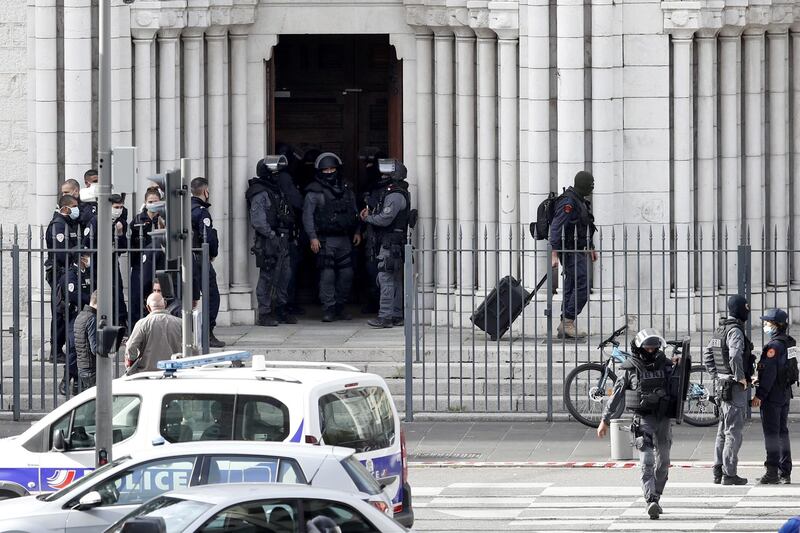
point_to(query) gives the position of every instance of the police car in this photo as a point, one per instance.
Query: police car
(216, 397)
(110, 492)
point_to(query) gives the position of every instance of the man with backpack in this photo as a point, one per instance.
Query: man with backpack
(777, 371)
(571, 232)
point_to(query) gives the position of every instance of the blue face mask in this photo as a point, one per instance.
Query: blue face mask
(770, 329)
(74, 213)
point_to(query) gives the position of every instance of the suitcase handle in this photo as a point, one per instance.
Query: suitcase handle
(536, 289)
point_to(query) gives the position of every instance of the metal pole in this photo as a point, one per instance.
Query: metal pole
(14, 329)
(548, 312)
(186, 261)
(408, 295)
(103, 435)
(204, 340)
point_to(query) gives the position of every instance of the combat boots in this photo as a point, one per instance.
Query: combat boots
(379, 322)
(769, 478)
(733, 480)
(284, 317)
(717, 474)
(654, 510)
(568, 330)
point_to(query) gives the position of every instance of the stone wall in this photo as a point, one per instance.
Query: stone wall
(13, 112)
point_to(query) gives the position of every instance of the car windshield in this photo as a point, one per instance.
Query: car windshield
(359, 418)
(177, 513)
(85, 480)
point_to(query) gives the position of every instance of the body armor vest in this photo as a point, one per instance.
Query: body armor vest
(721, 351)
(585, 227)
(337, 217)
(280, 216)
(397, 231)
(649, 395)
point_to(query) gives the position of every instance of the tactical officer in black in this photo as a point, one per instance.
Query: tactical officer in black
(571, 234)
(75, 290)
(371, 196)
(330, 219)
(728, 358)
(288, 182)
(647, 390)
(272, 219)
(389, 221)
(777, 372)
(203, 231)
(63, 241)
(145, 262)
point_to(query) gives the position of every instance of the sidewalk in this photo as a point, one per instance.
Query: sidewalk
(443, 442)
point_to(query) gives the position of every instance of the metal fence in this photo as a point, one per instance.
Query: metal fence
(29, 377)
(647, 276)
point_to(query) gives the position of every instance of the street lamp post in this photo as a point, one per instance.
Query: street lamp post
(103, 434)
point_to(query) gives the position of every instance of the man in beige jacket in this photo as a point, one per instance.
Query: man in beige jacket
(154, 338)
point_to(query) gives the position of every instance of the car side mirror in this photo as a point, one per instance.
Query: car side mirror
(59, 441)
(144, 524)
(90, 500)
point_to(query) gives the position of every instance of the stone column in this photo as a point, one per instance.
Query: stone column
(167, 101)
(730, 165)
(778, 178)
(78, 155)
(45, 123)
(753, 124)
(570, 63)
(487, 154)
(683, 154)
(465, 155)
(192, 125)
(795, 67)
(508, 134)
(143, 98)
(240, 295)
(216, 158)
(444, 146)
(425, 162)
(706, 153)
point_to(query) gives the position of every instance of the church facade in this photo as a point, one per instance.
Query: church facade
(686, 112)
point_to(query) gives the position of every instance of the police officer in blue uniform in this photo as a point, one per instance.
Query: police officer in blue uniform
(330, 219)
(204, 231)
(646, 390)
(389, 222)
(773, 395)
(571, 234)
(75, 291)
(62, 239)
(147, 259)
(273, 220)
(729, 361)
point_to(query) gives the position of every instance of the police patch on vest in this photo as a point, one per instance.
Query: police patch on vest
(715, 343)
(86, 231)
(71, 287)
(207, 221)
(771, 353)
(60, 237)
(568, 208)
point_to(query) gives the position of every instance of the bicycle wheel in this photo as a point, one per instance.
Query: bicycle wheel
(698, 410)
(587, 389)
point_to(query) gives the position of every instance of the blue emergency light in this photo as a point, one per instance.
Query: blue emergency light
(201, 360)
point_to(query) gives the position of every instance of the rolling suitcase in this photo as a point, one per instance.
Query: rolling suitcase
(503, 305)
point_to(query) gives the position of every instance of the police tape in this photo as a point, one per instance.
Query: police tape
(568, 464)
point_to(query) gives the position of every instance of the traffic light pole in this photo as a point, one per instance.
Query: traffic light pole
(186, 260)
(103, 433)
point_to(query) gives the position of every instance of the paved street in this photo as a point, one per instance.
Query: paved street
(591, 499)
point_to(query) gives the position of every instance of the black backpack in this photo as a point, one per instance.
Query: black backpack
(540, 229)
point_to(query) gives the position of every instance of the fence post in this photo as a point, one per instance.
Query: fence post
(408, 311)
(14, 329)
(548, 312)
(206, 318)
(744, 283)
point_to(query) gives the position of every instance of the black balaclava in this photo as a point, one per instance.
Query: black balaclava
(584, 183)
(328, 160)
(738, 307)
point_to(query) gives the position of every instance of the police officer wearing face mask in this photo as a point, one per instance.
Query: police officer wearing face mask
(646, 391)
(204, 231)
(119, 233)
(88, 206)
(777, 372)
(61, 237)
(571, 234)
(729, 361)
(147, 259)
(389, 221)
(373, 189)
(330, 219)
(75, 291)
(272, 219)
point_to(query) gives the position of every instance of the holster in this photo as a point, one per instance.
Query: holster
(726, 390)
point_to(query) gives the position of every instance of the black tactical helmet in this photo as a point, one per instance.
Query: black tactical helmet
(327, 160)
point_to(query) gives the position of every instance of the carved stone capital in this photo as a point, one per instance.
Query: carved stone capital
(758, 16)
(681, 19)
(243, 12)
(478, 13)
(733, 21)
(504, 19)
(143, 34)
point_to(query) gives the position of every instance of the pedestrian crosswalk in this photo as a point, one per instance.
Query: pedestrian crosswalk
(543, 506)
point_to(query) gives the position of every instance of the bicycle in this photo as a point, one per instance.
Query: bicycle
(588, 387)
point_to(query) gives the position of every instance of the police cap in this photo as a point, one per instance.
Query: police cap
(778, 316)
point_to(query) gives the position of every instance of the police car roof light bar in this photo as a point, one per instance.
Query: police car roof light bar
(233, 356)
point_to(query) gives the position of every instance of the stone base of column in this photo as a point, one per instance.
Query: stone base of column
(240, 298)
(243, 317)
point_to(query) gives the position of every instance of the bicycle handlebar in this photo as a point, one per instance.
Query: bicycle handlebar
(611, 339)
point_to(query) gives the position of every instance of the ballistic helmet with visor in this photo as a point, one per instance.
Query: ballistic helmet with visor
(649, 340)
(327, 160)
(276, 163)
(392, 168)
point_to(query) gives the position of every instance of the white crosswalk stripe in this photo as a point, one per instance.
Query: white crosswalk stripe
(532, 507)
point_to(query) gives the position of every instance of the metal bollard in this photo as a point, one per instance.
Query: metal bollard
(620, 433)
